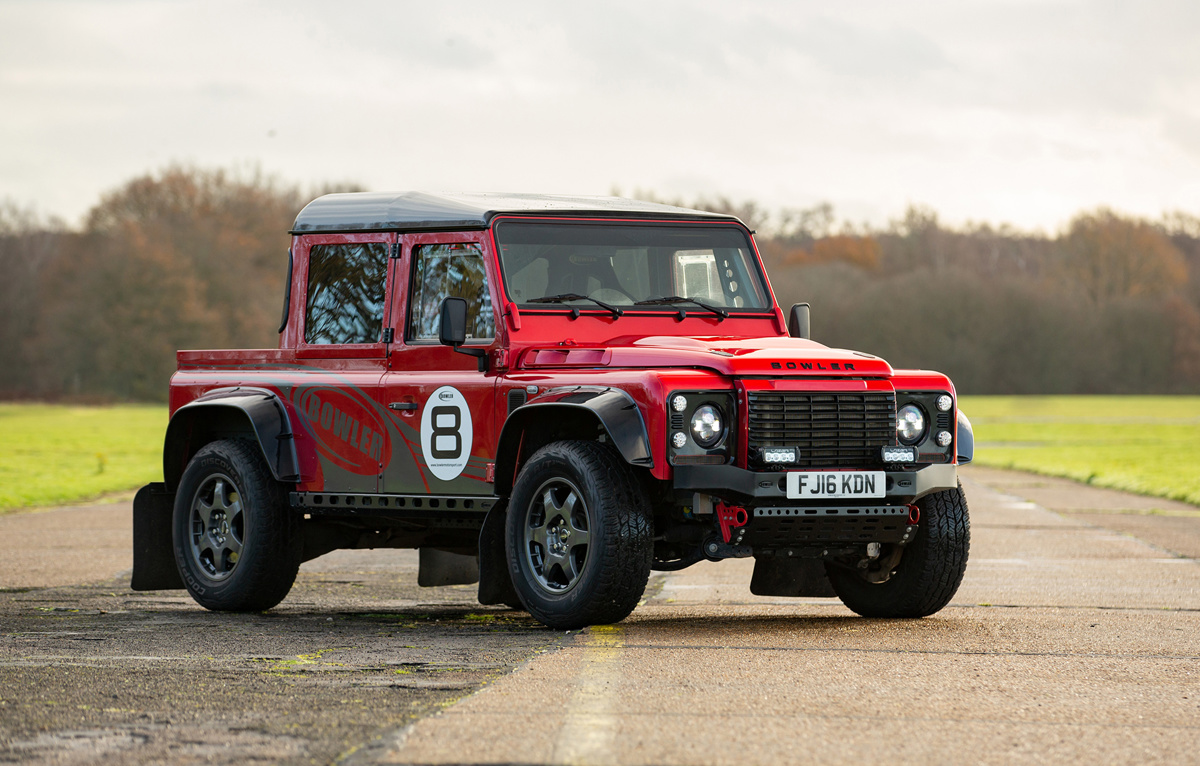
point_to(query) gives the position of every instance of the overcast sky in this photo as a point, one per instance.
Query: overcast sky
(1018, 111)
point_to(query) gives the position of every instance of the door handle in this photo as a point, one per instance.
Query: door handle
(404, 406)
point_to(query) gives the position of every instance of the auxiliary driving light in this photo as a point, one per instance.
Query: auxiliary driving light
(679, 403)
(899, 454)
(943, 438)
(679, 438)
(773, 455)
(944, 403)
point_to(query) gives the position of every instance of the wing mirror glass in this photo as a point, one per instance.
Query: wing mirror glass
(453, 330)
(799, 322)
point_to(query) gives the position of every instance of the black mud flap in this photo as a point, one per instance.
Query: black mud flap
(154, 565)
(778, 576)
(442, 568)
(495, 584)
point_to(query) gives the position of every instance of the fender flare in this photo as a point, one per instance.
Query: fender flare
(224, 410)
(965, 449)
(610, 409)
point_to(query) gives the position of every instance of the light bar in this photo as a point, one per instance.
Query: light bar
(779, 455)
(899, 454)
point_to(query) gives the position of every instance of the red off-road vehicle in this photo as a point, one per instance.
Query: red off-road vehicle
(551, 396)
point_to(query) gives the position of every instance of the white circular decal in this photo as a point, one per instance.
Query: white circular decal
(446, 433)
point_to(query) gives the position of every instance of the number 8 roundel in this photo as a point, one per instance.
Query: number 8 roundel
(446, 433)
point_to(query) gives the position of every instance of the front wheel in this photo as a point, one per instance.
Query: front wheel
(579, 536)
(922, 577)
(237, 543)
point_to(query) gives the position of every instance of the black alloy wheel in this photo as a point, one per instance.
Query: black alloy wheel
(579, 535)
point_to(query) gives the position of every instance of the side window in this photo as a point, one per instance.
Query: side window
(449, 271)
(345, 293)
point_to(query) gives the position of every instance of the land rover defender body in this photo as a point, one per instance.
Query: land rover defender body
(552, 396)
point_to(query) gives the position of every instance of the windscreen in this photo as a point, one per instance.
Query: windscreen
(624, 264)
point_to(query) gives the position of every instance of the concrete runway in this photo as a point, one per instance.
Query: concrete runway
(1074, 638)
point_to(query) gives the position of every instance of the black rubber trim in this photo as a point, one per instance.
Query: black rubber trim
(267, 418)
(287, 293)
(613, 409)
(965, 441)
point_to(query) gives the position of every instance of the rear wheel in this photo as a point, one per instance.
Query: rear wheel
(236, 541)
(920, 578)
(578, 536)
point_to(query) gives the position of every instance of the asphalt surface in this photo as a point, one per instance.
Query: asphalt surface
(1074, 639)
(96, 673)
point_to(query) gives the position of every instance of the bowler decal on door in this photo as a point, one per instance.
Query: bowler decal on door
(348, 432)
(446, 433)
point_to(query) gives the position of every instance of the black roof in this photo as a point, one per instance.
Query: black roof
(408, 211)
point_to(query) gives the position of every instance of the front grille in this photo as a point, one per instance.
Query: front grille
(830, 430)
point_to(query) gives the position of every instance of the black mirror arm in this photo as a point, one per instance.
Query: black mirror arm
(479, 353)
(453, 331)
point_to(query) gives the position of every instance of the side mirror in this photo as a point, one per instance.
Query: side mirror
(799, 322)
(453, 330)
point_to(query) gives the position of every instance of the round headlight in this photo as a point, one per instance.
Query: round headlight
(708, 426)
(943, 402)
(910, 424)
(679, 403)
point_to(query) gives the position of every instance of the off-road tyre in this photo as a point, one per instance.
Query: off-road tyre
(930, 569)
(616, 563)
(266, 535)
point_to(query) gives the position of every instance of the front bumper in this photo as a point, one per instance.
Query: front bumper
(755, 487)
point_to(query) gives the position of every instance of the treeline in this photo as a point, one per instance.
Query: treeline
(192, 258)
(185, 258)
(1109, 305)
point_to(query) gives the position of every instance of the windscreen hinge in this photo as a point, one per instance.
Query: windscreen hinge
(388, 335)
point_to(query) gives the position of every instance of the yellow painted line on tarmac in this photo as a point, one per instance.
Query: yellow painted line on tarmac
(590, 727)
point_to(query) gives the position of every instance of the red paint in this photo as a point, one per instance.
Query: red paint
(730, 517)
(339, 396)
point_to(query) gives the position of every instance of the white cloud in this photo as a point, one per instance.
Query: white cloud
(1005, 111)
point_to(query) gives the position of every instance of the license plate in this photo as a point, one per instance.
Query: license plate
(821, 484)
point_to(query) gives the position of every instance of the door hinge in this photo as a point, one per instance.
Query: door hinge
(395, 249)
(388, 335)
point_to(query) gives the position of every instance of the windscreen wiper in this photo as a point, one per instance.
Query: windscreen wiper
(670, 299)
(564, 297)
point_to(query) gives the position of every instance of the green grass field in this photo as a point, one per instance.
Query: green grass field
(1144, 444)
(52, 454)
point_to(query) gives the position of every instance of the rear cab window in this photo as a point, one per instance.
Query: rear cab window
(345, 298)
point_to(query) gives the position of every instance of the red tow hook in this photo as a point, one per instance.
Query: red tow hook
(914, 514)
(730, 517)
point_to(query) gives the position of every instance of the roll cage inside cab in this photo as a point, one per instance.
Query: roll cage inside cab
(551, 396)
